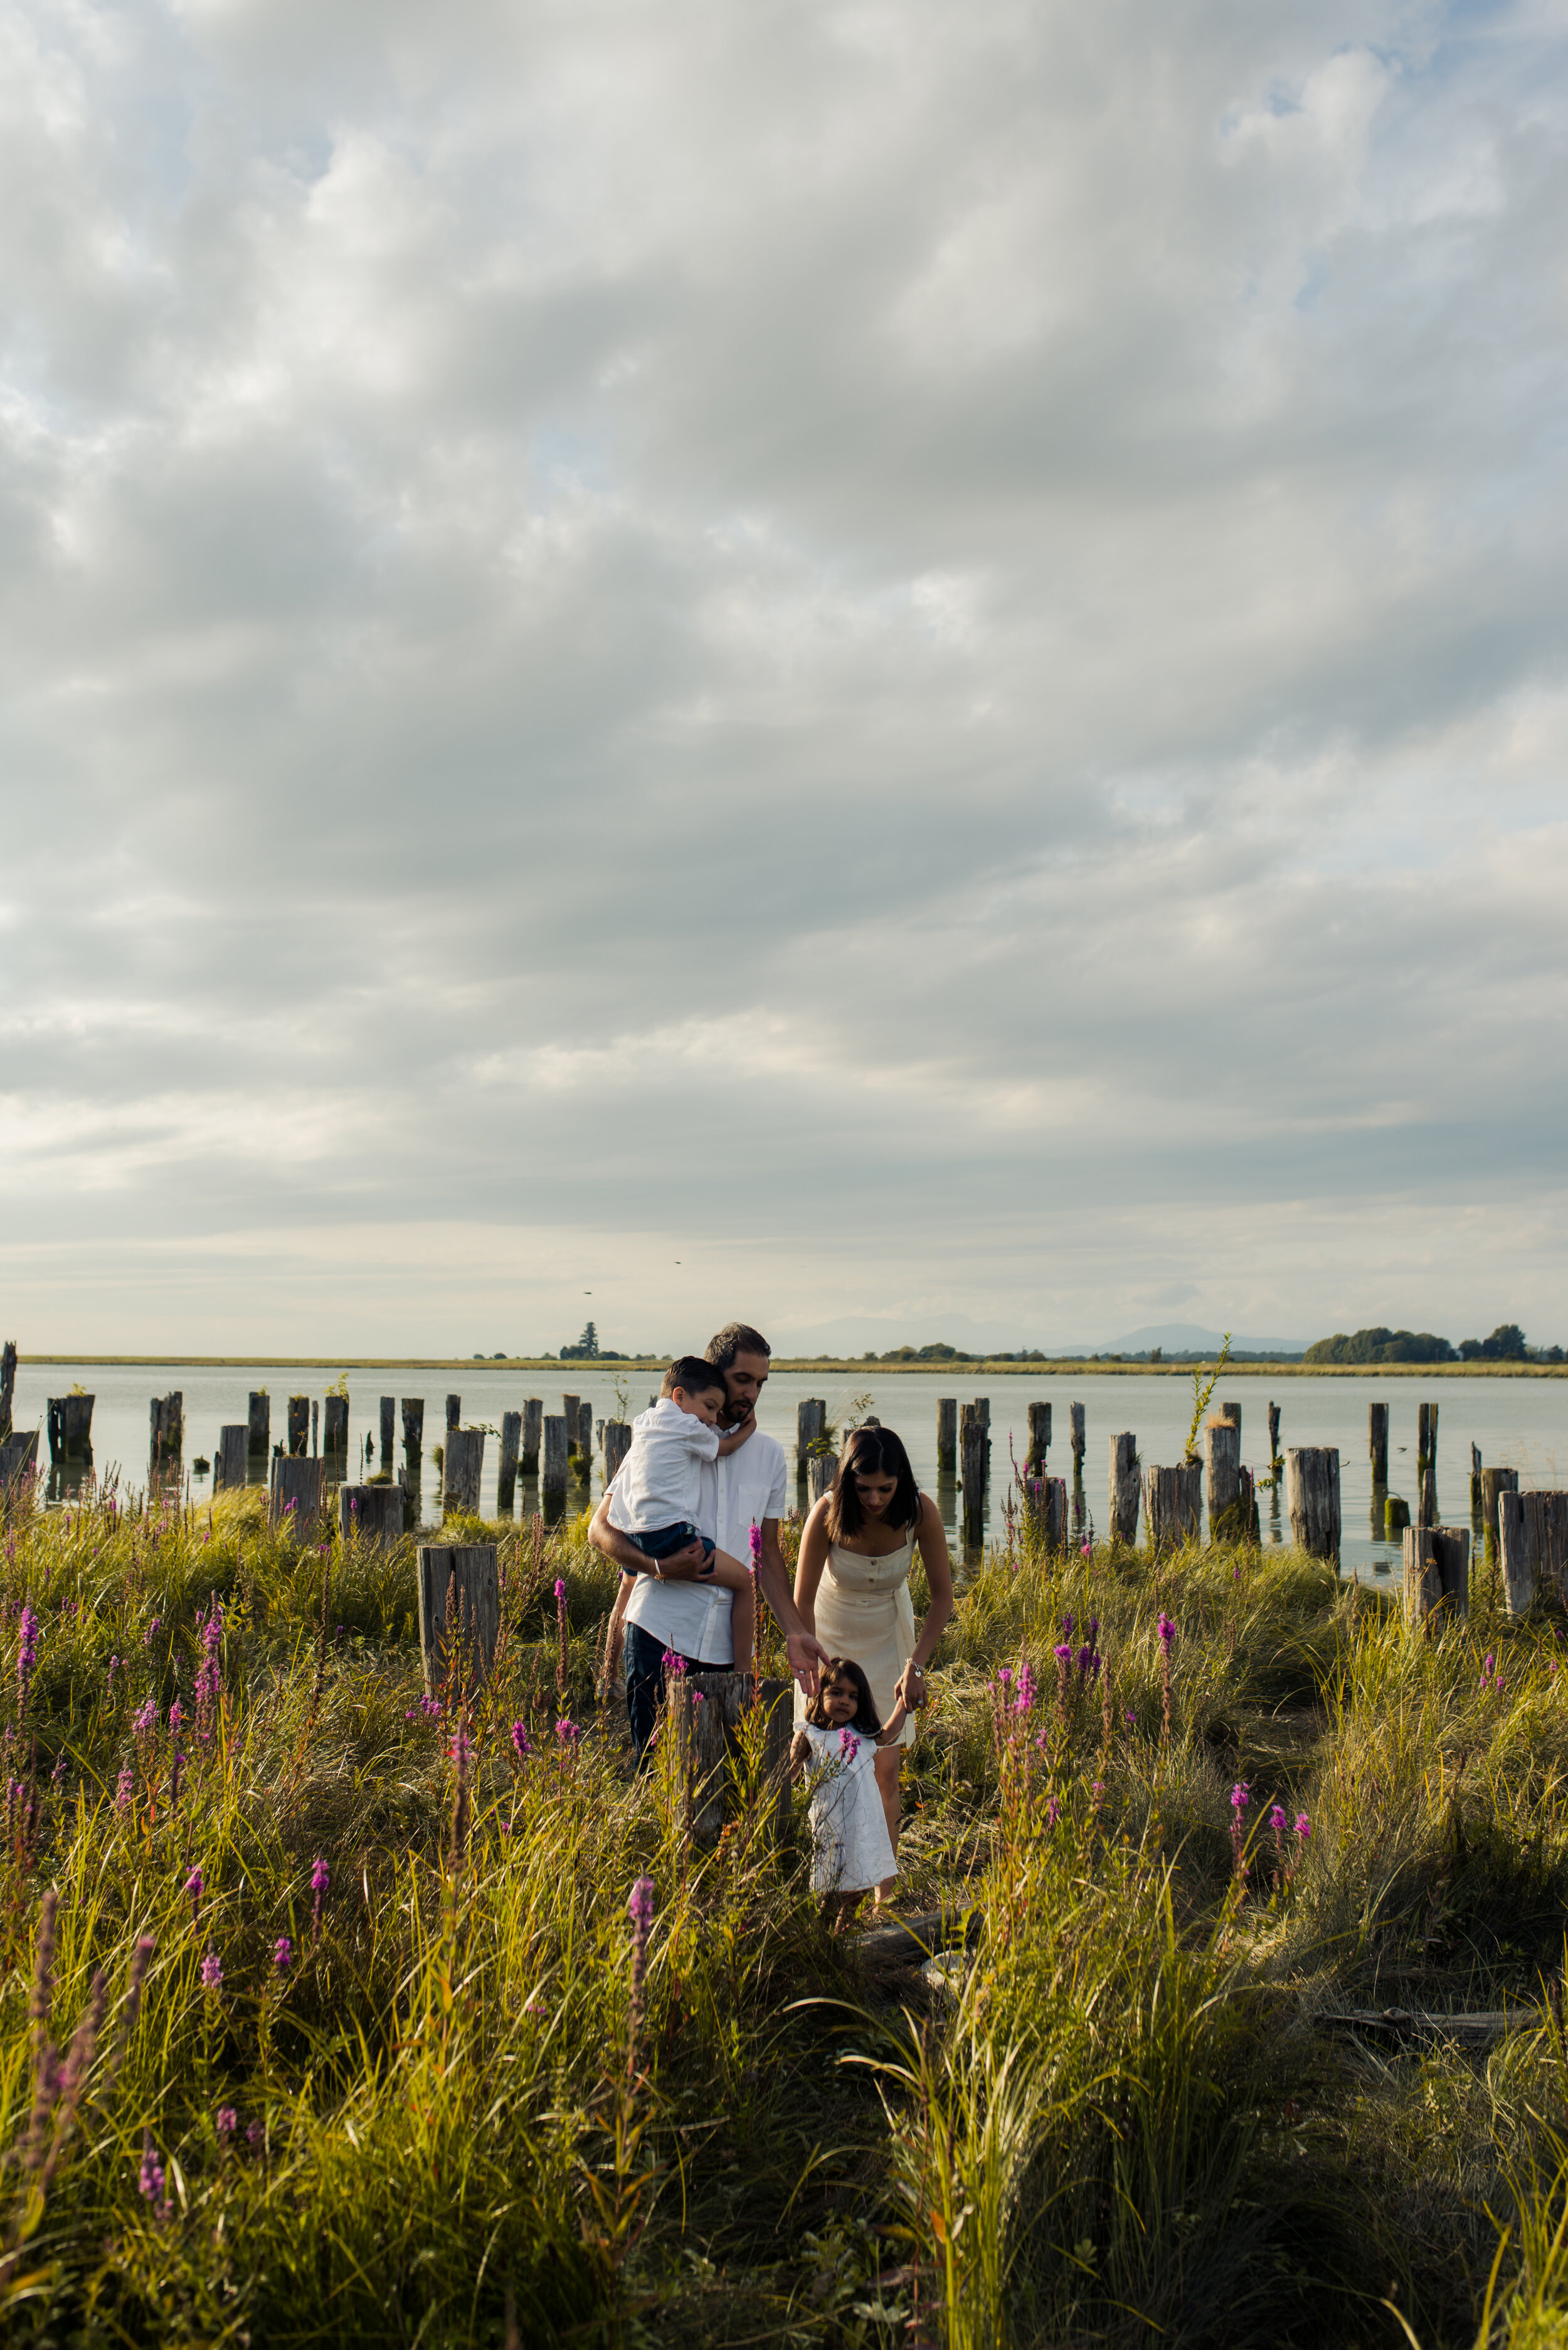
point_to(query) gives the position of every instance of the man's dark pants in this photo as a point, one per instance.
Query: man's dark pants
(645, 1656)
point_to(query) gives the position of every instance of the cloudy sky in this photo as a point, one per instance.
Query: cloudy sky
(894, 666)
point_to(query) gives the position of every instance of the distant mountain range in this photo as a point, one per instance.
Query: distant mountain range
(1186, 1338)
(850, 1336)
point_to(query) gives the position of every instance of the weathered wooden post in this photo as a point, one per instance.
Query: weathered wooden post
(571, 1414)
(166, 1429)
(1377, 1442)
(1230, 1412)
(334, 1427)
(1125, 1493)
(228, 1461)
(18, 1457)
(1080, 1442)
(1046, 1502)
(585, 1440)
(1513, 1549)
(1273, 1435)
(314, 1428)
(532, 1425)
(375, 1513)
(299, 1427)
(460, 1615)
(70, 1420)
(1493, 1483)
(1396, 1516)
(7, 1386)
(1427, 1464)
(463, 1468)
(1039, 1437)
(412, 1408)
(455, 1412)
(1172, 1504)
(297, 1487)
(506, 1468)
(258, 1422)
(54, 1425)
(1222, 1462)
(946, 1436)
(617, 1444)
(1311, 1497)
(974, 1460)
(1476, 1487)
(810, 1427)
(552, 1475)
(388, 1431)
(1546, 1530)
(820, 1472)
(1437, 1572)
(703, 1713)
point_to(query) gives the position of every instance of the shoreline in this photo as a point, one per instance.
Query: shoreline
(1090, 1365)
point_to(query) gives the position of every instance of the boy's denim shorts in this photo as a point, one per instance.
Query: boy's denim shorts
(664, 1540)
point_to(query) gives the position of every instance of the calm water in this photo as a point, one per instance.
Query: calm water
(1517, 1423)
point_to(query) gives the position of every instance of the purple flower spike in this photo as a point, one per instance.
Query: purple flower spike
(228, 2120)
(1303, 1826)
(521, 1746)
(151, 2179)
(282, 1954)
(1240, 1798)
(1167, 1631)
(639, 1903)
(212, 1972)
(1063, 1653)
(568, 1732)
(756, 1542)
(1053, 1812)
(560, 1587)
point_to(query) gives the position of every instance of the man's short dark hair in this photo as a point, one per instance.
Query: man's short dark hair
(736, 1339)
(692, 1376)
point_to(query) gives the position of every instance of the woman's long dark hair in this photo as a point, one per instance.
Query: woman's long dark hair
(867, 1721)
(871, 1452)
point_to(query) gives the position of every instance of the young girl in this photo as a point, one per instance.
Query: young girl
(837, 1744)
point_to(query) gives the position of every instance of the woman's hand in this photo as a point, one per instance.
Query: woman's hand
(911, 1689)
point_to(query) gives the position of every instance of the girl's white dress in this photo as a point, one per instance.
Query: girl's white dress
(853, 1850)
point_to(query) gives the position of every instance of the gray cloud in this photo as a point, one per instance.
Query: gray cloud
(955, 614)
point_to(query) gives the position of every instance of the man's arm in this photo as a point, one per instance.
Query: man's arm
(680, 1566)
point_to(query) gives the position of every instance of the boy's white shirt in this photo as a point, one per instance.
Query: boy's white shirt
(659, 1482)
(738, 1492)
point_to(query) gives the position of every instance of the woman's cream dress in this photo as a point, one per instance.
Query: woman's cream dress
(864, 1611)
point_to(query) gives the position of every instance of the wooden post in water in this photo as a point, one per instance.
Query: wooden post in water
(1475, 1486)
(455, 1412)
(946, 1436)
(374, 1512)
(388, 1431)
(810, 1427)
(1311, 1497)
(1222, 1462)
(1039, 1437)
(462, 1469)
(1172, 1501)
(7, 1386)
(314, 1428)
(1427, 1464)
(334, 1427)
(1045, 1502)
(1230, 1412)
(821, 1469)
(1125, 1493)
(299, 1427)
(617, 1444)
(974, 1461)
(166, 1429)
(571, 1414)
(1513, 1550)
(412, 1408)
(585, 1440)
(70, 1420)
(1377, 1442)
(258, 1423)
(460, 1615)
(18, 1457)
(1546, 1530)
(1437, 1572)
(228, 1461)
(533, 1425)
(297, 1486)
(1493, 1483)
(552, 1475)
(1396, 1516)
(506, 1468)
(1273, 1435)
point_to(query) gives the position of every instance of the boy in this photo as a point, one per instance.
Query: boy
(656, 1499)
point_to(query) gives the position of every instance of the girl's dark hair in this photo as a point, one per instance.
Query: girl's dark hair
(867, 1721)
(871, 1452)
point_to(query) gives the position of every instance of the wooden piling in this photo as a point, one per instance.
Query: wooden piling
(704, 1712)
(975, 1463)
(69, 1421)
(506, 1465)
(1396, 1516)
(1230, 1412)
(166, 1429)
(584, 1439)
(413, 1412)
(1046, 1502)
(810, 1428)
(374, 1512)
(1039, 1437)
(821, 1469)
(553, 1473)
(1475, 1485)
(460, 1615)
(1546, 1529)
(7, 1386)
(571, 1413)
(1514, 1551)
(455, 1412)
(334, 1427)
(258, 1423)
(1377, 1442)
(946, 1436)
(1125, 1492)
(617, 1444)
(1426, 1463)
(228, 1461)
(1222, 1464)
(389, 1429)
(462, 1469)
(1437, 1572)
(314, 1428)
(533, 1425)
(1080, 1441)
(1172, 1504)
(298, 1488)
(1493, 1483)
(18, 1457)
(299, 1427)
(1311, 1497)
(1273, 1434)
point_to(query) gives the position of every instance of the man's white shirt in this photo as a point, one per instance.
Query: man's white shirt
(737, 1493)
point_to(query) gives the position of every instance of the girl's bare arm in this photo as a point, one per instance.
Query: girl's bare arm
(799, 1752)
(894, 1723)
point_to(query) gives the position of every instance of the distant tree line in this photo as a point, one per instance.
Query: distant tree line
(1506, 1345)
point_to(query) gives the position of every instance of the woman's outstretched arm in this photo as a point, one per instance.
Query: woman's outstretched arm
(809, 1566)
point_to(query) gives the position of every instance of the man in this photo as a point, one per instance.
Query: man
(671, 1609)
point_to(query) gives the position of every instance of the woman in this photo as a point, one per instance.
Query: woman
(852, 1584)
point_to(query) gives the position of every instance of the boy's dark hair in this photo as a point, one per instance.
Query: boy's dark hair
(871, 1451)
(867, 1721)
(692, 1376)
(736, 1339)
